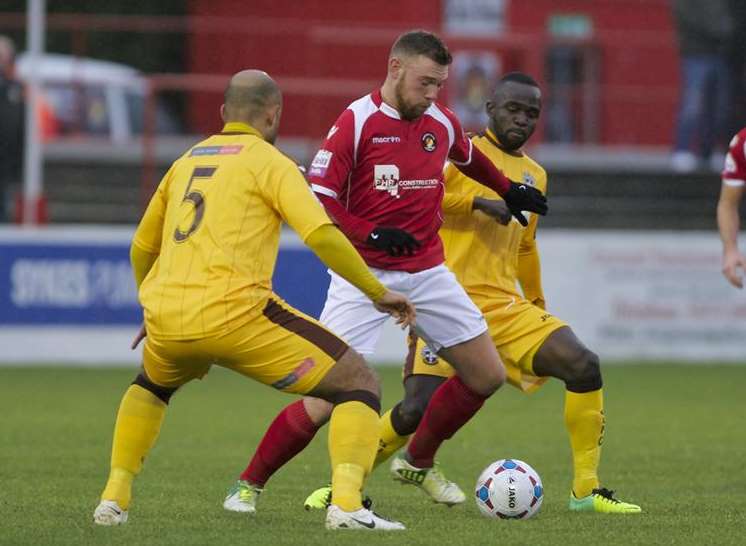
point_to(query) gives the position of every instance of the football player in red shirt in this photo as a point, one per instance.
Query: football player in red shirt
(379, 175)
(731, 193)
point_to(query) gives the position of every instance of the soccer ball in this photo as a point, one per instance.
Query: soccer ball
(509, 489)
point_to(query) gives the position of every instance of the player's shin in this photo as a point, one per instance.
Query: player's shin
(390, 441)
(290, 432)
(353, 437)
(452, 405)
(584, 418)
(138, 423)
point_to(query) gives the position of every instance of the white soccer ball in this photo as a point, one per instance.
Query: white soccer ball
(509, 489)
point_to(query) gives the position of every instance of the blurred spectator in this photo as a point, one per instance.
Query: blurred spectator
(563, 75)
(705, 31)
(473, 75)
(738, 66)
(11, 125)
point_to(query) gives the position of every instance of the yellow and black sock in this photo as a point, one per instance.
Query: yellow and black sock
(353, 437)
(138, 423)
(584, 418)
(390, 441)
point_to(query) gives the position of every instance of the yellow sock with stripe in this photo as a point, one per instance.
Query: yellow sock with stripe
(136, 430)
(584, 418)
(390, 442)
(353, 437)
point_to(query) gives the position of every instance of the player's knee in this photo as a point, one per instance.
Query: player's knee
(318, 410)
(410, 413)
(363, 387)
(367, 379)
(370, 399)
(495, 378)
(488, 381)
(584, 373)
(495, 381)
(163, 393)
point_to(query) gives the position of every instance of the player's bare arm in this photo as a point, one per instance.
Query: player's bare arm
(518, 197)
(733, 263)
(495, 208)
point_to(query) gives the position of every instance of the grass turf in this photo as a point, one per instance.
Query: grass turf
(675, 444)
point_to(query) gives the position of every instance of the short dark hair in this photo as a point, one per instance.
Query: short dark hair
(422, 42)
(519, 77)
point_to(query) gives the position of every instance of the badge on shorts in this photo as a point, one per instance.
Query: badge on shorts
(428, 142)
(290, 379)
(428, 356)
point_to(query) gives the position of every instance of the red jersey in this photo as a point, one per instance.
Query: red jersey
(387, 171)
(734, 172)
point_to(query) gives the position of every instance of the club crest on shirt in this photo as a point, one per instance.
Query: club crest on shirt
(429, 357)
(528, 179)
(428, 142)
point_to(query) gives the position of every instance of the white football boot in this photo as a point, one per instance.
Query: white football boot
(362, 519)
(242, 497)
(109, 513)
(430, 480)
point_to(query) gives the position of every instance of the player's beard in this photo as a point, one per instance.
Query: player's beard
(506, 143)
(406, 111)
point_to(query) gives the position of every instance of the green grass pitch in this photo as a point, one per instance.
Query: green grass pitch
(675, 444)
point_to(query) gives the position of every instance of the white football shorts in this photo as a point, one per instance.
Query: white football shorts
(446, 316)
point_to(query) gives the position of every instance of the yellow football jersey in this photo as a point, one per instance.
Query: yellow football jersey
(482, 253)
(214, 222)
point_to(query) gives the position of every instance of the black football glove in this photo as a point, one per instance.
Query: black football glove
(396, 242)
(522, 197)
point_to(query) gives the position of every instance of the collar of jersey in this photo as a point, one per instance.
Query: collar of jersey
(240, 128)
(386, 109)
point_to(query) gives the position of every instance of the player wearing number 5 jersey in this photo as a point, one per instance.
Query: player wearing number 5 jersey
(203, 257)
(379, 175)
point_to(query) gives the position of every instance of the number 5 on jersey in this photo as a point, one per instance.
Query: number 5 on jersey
(197, 199)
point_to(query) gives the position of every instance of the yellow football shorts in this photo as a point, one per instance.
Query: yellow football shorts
(281, 347)
(517, 327)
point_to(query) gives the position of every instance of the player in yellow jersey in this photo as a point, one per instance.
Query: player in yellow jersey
(203, 257)
(489, 258)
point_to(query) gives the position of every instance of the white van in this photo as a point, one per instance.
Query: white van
(92, 98)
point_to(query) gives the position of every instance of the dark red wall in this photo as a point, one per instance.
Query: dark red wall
(639, 62)
(326, 53)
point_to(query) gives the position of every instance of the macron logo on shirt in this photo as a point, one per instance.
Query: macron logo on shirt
(386, 140)
(331, 132)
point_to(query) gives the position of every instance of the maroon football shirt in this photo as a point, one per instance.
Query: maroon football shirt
(387, 171)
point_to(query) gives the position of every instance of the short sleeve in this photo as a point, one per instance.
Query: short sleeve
(332, 164)
(734, 171)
